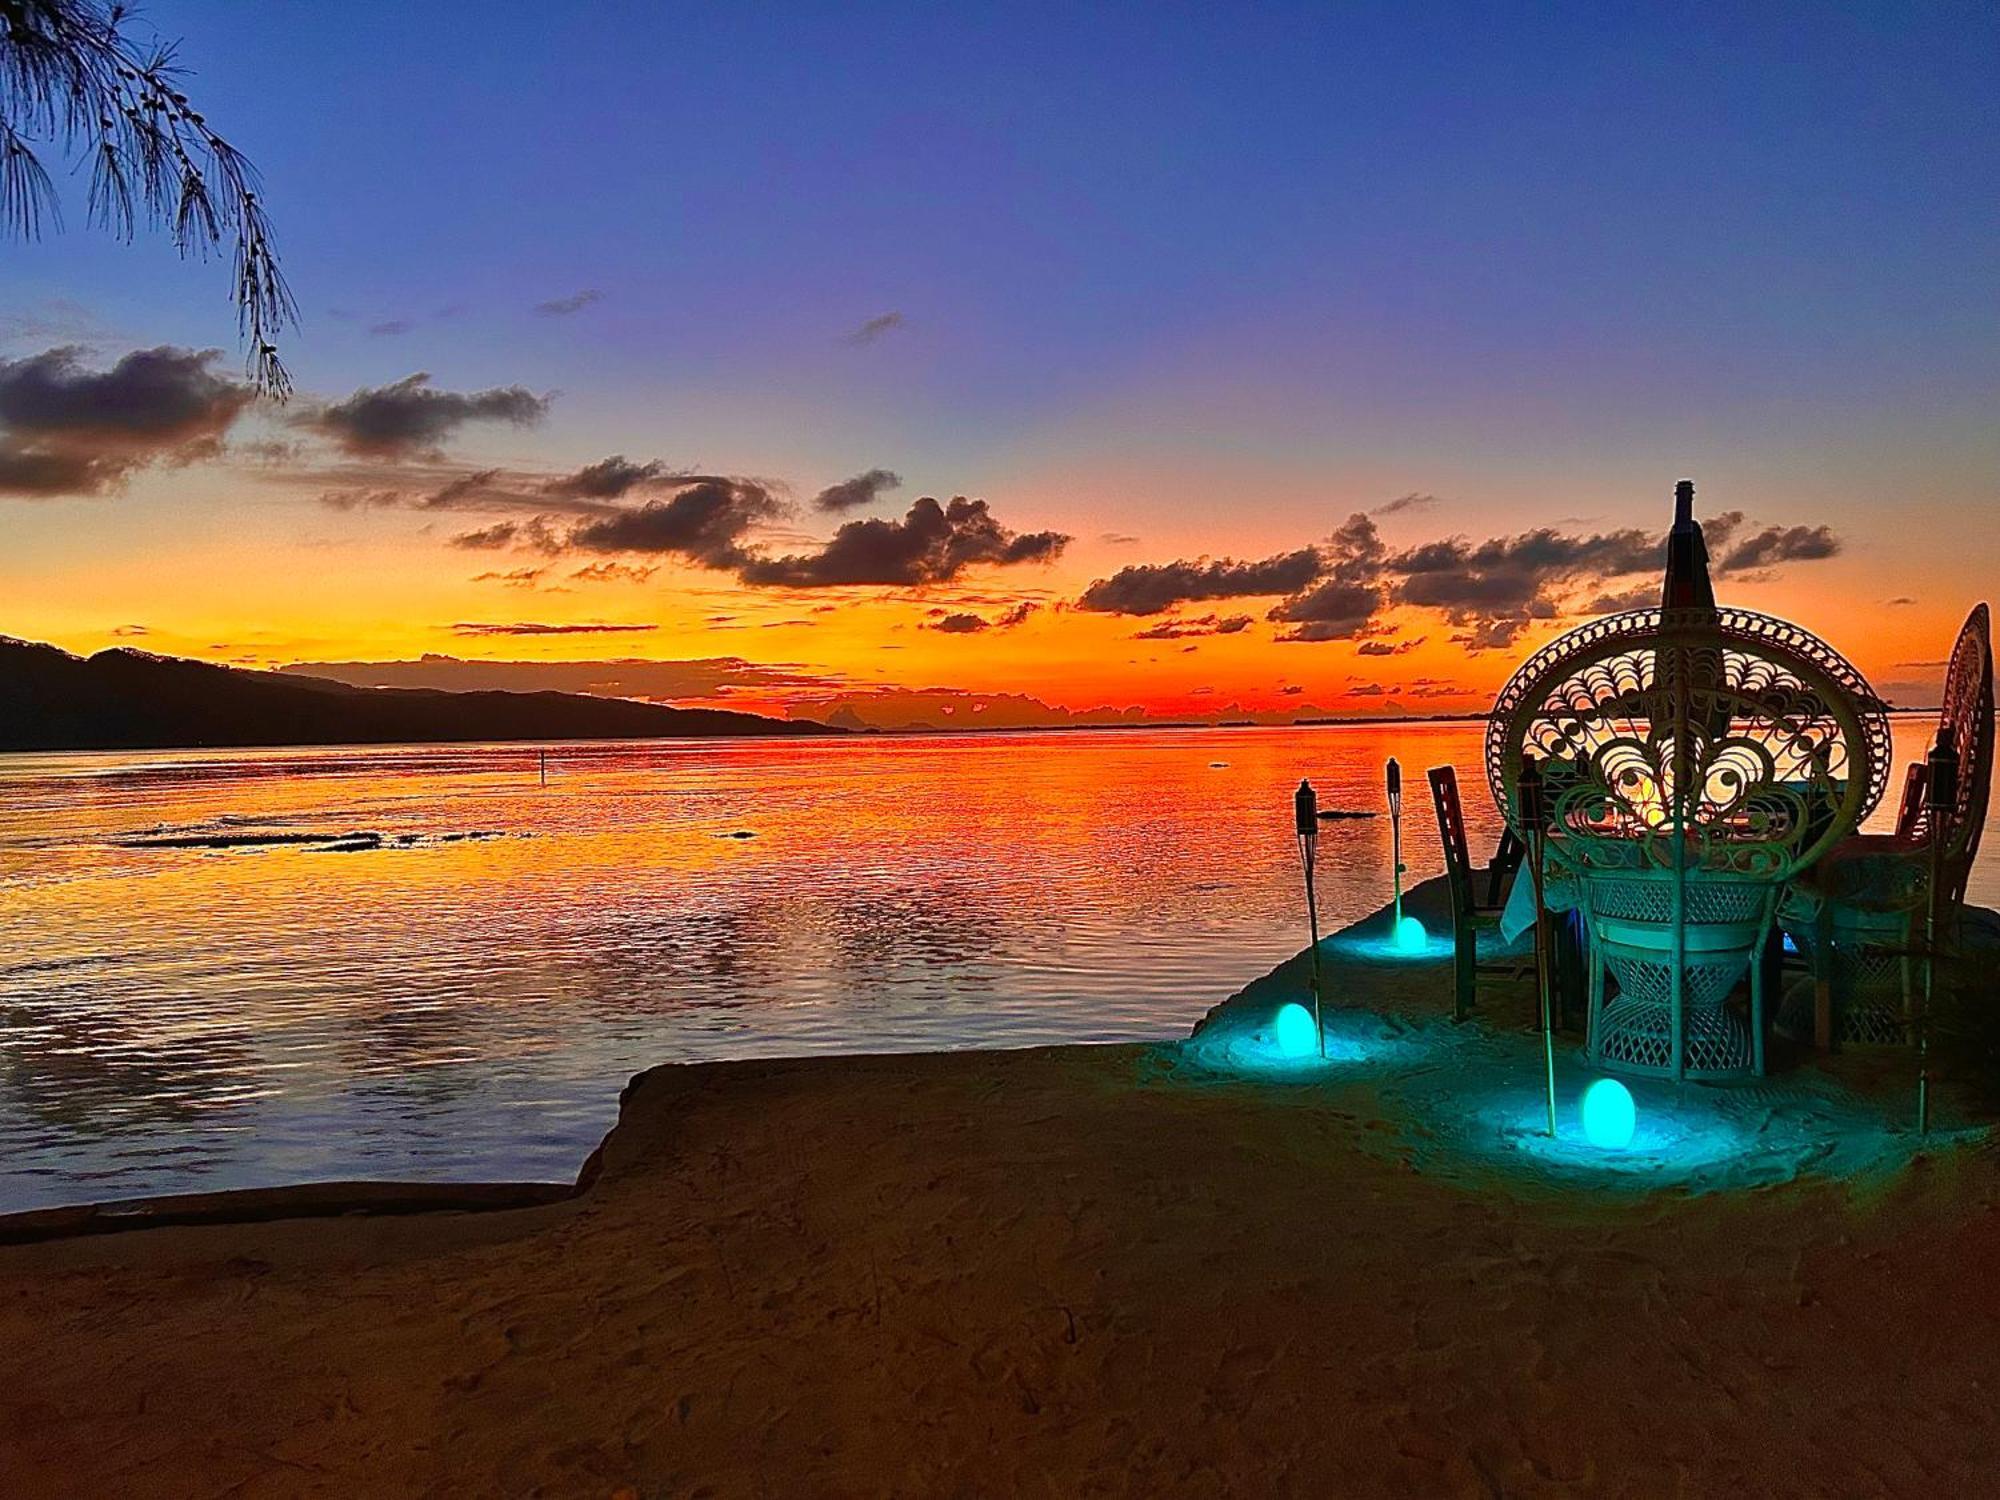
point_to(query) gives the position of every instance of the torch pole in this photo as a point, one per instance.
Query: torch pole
(1305, 810)
(1940, 803)
(1396, 845)
(1534, 826)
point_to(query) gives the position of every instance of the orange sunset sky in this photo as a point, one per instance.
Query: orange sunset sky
(1302, 366)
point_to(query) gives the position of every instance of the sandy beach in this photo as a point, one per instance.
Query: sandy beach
(1065, 1271)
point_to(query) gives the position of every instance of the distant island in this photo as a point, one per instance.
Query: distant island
(123, 699)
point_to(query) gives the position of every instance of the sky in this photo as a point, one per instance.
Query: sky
(949, 365)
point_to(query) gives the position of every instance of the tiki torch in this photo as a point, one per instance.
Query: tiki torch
(1396, 841)
(1534, 828)
(1940, 803)
(1305, 810)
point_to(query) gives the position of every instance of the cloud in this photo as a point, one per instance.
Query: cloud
(933, 543)
(1333, 611)
(1497, 586)
(130, 630)
(613, 572)
(875, 328)
(1899, 601)
(852, 494)
(1387, 648)
(1174, 630)
(1780, 544)
(1154, 588)
(1117, 539)
(1412, 501)
(526, 627)
(1639, 596)
(563, 307)
(960, 624)
(705, 523)
(409, 418)
(1491, 635)
(519, 578)
(391, 328)
(486, 538)
(69, 430)
(607, 479)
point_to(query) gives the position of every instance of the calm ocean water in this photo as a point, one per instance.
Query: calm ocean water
(460, 991)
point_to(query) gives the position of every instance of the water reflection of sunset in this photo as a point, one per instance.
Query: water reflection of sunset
(463, 998)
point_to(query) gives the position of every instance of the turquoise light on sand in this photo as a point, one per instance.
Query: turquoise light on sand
(1609, 1115)
(1295, 1033)
(1410, 936)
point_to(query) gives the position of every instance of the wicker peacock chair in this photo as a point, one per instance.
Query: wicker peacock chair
(1695, 760)
(1858, 918)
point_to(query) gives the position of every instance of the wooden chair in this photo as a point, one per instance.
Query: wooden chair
(1470, 916)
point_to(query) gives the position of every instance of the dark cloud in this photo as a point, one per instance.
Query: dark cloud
(1344, 603)
(1332, 611)
(69, 430)
(1780, 544)
(960, 624)
(875, 328)
(409, 418)
(1899, 601)
(1174, 630)
(130, 630)
(528, 627)
(706, 523)
(862, 489)
(1491, 635)
(1497, 586)
(1639, 596)
(963, 622)
(575, 302)
(1154, 588)
(487, 538)
(1390, 648)
(391, 328)
(933, 543)
(1412, 501)
(607, 479)
(1117, 539)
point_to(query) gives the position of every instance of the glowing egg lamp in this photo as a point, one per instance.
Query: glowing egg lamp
(1296, 1035)
(1409, 936)
(1609, 1116)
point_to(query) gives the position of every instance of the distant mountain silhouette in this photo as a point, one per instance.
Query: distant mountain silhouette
(131, 700)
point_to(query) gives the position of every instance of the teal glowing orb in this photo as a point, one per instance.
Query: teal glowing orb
(1609, 1115)
(1296, 1034)
(1410, 936)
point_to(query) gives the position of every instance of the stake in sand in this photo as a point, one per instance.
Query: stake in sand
(1305, 818)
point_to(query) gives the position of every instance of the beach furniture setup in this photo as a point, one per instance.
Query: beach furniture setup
(1693, 763)
(1681, 789)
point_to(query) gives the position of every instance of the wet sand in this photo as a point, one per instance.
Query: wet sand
(1067, 1271)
